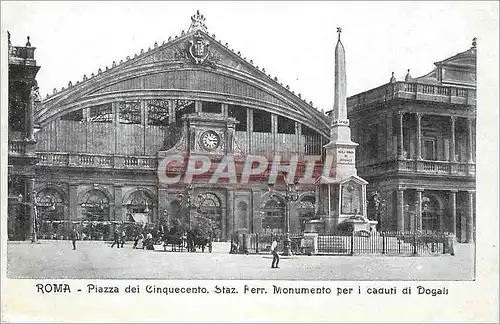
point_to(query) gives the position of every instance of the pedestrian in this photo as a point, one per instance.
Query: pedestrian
(276, 257)
(116, 237)
(124, 237)
(74, 237)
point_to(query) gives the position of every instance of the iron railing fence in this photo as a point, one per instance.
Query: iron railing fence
(349, 243)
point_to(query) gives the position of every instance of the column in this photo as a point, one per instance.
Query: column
(274, 130)
(163, 205)
(229, 212)
(118, 214)
(419, 136)
(29, 114)
(452, 139)
(298, 135)
(197, 106)
(453, 205)
(389, 143)
(250, 129)
(224, 109)
(470, 215)
(73, 201)
(469, 137)
(418, 209)
(255, 212)
(401, 143)
(171, 111)
(30, 200)
(400, 210)
(144, 123)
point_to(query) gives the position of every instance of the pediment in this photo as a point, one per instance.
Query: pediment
(193, 62)
(465, 59)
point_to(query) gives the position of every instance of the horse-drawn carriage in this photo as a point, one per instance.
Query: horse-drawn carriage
(191, 241)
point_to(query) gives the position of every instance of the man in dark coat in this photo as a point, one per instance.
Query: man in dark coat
(116, 237)
(74, 237)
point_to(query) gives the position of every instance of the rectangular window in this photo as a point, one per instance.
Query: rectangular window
(429, 150)
(182, 107)
(285, 125)
(261, 121)
(372, 144)
(101, 114)
(74, 116)
(211, 107)
(158, 112)
(129, 112)
(240, 114)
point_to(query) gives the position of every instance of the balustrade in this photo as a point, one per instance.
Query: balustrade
(87, 160)
(412, 90)
(17, 147)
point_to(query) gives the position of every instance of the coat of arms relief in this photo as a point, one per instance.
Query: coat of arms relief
(197, 51)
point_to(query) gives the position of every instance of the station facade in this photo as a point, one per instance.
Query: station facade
(94, 147)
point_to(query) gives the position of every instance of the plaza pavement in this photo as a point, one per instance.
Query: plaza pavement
(96, 260)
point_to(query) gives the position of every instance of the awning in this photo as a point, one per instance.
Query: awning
(139, 218)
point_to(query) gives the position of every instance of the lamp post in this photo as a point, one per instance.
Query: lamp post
(34, 205)
(291, 194)
(187, 204)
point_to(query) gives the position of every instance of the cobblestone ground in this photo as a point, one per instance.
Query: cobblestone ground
(96, 260)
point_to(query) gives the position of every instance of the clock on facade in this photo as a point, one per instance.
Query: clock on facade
(209, 140)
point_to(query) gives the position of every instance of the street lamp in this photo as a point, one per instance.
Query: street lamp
(291, 194)
(34, 205)
(188, 205)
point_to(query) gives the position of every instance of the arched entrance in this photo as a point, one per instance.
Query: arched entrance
(95, 206)
(140, 207)
(210, 209)
(306, 210)
(95, 214)
(51, 212)
(273, 219)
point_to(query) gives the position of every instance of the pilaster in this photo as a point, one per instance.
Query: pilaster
(400, 210)
(73, 202)
(453, 207)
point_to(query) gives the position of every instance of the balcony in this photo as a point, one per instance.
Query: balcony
(413, 91)
(422, 167)
(80, 160)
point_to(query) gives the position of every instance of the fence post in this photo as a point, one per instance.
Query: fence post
(352, 243)
(257, 243)
(414, 242)
(383, 242)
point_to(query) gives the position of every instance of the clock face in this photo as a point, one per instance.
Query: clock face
(210, 140)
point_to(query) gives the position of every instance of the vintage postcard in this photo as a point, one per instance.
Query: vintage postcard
(249, 161)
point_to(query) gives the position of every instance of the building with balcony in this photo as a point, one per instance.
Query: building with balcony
(100, 138)
(23, 101)
(417, 147)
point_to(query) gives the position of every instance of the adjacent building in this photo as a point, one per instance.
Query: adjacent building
(23, 101)
(418, 147)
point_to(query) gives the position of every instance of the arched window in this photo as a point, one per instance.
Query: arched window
(50, 205)
(95, 206)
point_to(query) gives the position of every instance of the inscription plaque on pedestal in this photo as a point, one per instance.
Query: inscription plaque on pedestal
(351, 198)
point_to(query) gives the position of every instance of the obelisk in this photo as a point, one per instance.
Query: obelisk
(340, 151)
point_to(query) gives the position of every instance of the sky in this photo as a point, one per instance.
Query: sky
(293, 41)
